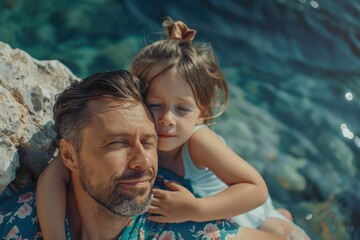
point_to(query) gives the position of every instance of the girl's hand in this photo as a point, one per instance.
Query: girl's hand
(174, 206)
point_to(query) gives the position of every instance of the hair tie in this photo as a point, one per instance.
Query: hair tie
(179, 30)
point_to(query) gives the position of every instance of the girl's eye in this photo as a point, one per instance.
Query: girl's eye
(184, 109)
(154, 106)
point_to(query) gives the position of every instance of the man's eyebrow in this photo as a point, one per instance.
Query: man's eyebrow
(113, 135)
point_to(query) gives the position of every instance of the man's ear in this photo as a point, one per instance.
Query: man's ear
(68, 154)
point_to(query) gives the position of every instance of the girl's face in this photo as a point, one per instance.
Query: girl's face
(174, 109)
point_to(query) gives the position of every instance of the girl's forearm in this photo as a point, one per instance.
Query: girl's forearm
(235, 200)
(51, 207)
(51, 200)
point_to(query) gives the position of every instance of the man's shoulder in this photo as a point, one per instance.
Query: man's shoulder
(18, 218)
(220, 229)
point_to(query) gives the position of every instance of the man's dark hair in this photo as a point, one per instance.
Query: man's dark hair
(71, 112)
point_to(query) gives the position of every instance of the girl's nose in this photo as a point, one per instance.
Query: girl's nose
(167, 119)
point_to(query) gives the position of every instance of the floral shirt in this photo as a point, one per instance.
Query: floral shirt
(18, 221)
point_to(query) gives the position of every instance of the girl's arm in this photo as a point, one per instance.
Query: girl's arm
(51, 199)
(247, 189)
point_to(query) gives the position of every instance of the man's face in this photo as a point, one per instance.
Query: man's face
(118, 159)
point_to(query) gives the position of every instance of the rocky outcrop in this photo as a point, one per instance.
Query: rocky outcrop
(27, 93)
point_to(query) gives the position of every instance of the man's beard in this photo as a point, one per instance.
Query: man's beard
(113, 198)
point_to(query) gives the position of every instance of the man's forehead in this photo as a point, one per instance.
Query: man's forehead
(120, 114)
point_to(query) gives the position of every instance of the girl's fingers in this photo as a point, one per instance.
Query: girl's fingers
(158, 193)
(155, 202)
(171, 185)
(154, 210)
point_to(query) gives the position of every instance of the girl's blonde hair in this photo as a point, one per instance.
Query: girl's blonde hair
(195, 62)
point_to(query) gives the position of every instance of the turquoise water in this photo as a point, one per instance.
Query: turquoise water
(294, 72)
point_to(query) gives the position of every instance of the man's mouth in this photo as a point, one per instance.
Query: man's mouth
(137, 180)
(137, 183)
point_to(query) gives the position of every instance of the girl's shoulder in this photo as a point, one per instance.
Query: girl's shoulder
(202, 144)
(202, 134)
(197, 127)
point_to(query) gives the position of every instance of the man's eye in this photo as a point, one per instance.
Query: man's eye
(119, 143)
(149, 144)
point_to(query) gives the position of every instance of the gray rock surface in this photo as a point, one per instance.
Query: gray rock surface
(27, 93)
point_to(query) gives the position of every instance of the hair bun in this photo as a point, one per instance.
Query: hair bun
(178, 30)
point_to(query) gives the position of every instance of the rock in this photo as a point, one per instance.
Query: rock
(27, 95)
(326, 219)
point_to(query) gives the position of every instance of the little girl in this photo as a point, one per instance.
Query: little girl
(186, 88)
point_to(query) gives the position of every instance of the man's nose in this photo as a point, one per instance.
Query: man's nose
(139, 159)
(167, 119)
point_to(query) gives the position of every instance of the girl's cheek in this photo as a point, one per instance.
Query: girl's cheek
(155, 116)
(156, 124)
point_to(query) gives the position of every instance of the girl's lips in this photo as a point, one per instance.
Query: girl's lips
(164, 135)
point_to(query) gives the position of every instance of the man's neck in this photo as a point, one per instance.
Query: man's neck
(172, 161)
(88, 220)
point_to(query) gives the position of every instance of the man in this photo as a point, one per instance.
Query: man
(108, 142)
